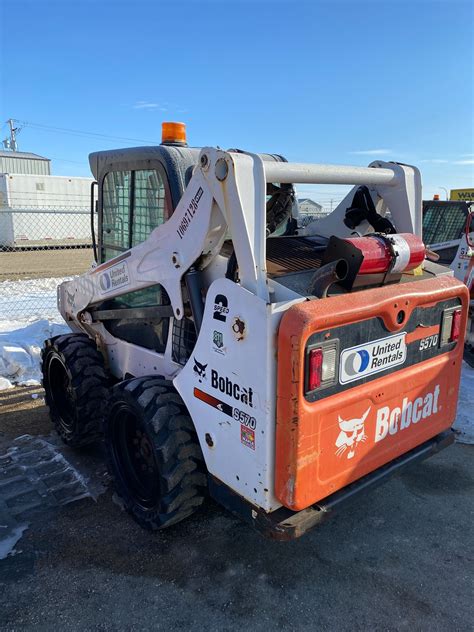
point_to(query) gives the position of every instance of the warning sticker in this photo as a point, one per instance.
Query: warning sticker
(247, 436)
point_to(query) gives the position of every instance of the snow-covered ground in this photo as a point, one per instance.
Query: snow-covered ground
(29, 300)
(28, 315)
(33, 302)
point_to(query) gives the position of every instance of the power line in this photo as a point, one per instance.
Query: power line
(75, 132)
(76, 162)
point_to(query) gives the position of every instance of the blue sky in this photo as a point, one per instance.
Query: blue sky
(336, 82)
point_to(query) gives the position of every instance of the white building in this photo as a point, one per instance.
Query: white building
(24, 162)
(310, 207)
(39, 209)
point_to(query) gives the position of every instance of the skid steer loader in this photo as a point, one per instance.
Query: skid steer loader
(219, 349)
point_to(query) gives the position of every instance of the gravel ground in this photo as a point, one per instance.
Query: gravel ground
(400, 559)
(39, 264)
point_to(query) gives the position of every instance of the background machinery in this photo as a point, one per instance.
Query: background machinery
(448, 230)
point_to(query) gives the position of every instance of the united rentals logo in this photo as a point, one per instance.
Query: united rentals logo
(115, 277)
(372, 357)
(105, 282)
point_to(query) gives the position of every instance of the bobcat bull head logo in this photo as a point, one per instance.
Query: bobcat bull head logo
(199, 370)
(352, 433)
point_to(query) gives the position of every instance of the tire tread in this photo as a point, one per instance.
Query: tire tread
(183, 481)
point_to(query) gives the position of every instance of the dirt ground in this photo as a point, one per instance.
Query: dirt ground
(39, 264)
(399, 559)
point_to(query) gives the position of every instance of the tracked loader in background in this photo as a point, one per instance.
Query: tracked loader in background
(219, 349)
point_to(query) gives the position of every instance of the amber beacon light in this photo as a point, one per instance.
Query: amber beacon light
(173, 133)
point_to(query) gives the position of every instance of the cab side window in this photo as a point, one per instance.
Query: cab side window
(149, 204)
(133, 204)
(115, 213)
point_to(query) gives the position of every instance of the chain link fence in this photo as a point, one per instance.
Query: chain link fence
(40, 247)
(44, 228)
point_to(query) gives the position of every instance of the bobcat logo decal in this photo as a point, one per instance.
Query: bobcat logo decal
(352, 433)
(200, 370)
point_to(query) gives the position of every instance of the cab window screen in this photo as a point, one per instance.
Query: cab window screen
(149, 203)
(443, 222)
(133, 204)
(116, 213)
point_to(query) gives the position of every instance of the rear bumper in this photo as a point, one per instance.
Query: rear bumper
(284, 524)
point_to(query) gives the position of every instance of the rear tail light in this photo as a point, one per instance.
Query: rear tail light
(321, 365)
(451, 325)
(315, 369)
(456, 326)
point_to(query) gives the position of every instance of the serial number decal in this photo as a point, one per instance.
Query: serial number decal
(189, 214)
(428, 342)
(115, 277)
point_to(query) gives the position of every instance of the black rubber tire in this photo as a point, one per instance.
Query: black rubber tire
(150, 435)
(76, 388)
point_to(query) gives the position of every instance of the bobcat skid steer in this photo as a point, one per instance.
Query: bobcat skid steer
(219, 350)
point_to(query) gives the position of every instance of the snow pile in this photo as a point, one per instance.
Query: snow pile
(464, 423)
(20, 352)
(28, 315)
(9, 539)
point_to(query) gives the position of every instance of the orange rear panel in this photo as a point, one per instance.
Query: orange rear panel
(315, 451)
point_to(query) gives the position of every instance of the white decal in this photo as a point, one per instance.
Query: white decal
(372, 357)
(189, 214)
(388, 421)
(391, 421)
(428, 342)
(114, 278)
(402, 251)
(352, 433)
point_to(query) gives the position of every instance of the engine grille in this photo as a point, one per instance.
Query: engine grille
(291, 254)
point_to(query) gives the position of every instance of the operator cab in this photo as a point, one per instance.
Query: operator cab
(138, 189)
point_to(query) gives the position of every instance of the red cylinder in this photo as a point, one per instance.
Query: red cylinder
(379, 256)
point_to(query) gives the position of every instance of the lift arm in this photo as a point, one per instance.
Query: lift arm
(226, 193)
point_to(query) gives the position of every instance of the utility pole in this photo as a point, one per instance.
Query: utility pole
(10, 143)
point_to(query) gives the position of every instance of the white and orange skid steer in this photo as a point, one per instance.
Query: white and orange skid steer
(220, 349)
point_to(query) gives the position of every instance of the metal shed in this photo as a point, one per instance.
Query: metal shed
(22, 162)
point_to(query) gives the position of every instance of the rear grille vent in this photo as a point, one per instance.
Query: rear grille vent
(291, 254)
